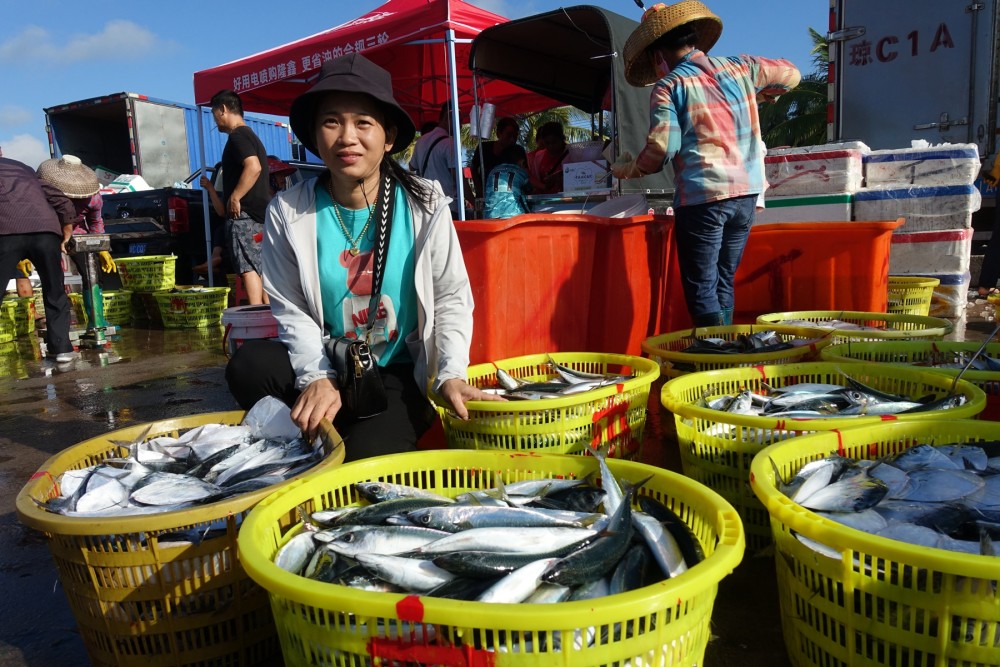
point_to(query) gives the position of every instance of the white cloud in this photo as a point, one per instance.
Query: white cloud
(13, 116)
(35, 44)
(25, 148)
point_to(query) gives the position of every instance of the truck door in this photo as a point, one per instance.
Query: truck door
(161, 143)
(912, 69)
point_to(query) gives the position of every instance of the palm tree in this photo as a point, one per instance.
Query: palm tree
(798, 118)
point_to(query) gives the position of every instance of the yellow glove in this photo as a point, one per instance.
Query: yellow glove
(25, 267)
(625, 167)
(994, 174)
(107, 263)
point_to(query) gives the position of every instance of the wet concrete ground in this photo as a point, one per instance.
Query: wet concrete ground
(149, 375)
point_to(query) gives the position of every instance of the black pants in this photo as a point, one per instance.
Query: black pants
(261, 368)
(42, 249)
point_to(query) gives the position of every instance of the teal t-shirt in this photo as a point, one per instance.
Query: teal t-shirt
(346, 280)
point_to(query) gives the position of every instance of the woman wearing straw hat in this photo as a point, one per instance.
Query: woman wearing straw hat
(79, 183)
(318, 258)
(703, 118)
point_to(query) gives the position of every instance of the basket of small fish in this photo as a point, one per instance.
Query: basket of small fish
(142, 526)
(948, 357)
(560, 403)
(849, 325)
(886, 543)
(710, 348)
(506, 554)
(724, 418)
(911, 294)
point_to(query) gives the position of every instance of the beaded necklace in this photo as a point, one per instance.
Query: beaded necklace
(355, 242)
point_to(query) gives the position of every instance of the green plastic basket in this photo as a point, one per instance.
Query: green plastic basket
(881, 602)
(674, 362)
(712, 456)
(328, 624)
(118, 307)
(613, 415)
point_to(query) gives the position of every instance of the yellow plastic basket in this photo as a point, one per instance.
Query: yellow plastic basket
(326, 624)
(887, 326)
(139, 602)
(918, 353)
(189, 308)
(911, 295)
(722, 461)
(79, 312)
(615, 415)
(7, 329)
(674, 362)
(20, 311)
(118, 307)
(152, 273)
(882, 602)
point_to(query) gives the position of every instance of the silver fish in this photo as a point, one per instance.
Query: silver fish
(519, 584)
(408, 573)
(847, 495)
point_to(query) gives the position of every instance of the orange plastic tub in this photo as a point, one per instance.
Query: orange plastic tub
(802, 266)
(631, 273)
(531, 281)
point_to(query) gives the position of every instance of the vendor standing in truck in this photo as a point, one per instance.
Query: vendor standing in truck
(245, 191)
(703, 118)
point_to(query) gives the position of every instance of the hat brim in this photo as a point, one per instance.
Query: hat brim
(639, 67)
(75, 181)
(302, 117)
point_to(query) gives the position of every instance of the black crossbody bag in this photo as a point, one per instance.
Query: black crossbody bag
(361, 389)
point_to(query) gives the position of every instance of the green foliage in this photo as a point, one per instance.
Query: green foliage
(798, 118)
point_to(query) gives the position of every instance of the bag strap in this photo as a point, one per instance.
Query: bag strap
(384, 211)
(427, 155)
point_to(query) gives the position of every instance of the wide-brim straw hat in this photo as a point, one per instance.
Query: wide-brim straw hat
(350, 74)
(71, 176)
(657, 21)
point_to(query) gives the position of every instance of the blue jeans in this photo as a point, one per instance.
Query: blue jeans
(710, 242)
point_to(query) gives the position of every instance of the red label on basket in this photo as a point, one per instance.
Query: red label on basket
(410, 609)
(873, 450)
(889, 418)
(396, 651)
(763, 375)
(840, 443)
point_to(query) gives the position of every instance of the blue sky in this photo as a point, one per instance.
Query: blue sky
(53, 51)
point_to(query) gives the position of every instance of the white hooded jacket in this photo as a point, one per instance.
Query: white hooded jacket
(289, 264)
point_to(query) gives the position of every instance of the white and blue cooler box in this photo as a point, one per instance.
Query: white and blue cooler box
(815, 170)
(926, 209)
(808, 208)
(930, 253)
(946, 164)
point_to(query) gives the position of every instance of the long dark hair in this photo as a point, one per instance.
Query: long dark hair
(416, 187)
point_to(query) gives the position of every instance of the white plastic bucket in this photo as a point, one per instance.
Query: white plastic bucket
(244, 323)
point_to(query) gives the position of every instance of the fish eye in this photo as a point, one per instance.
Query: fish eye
(348, 537)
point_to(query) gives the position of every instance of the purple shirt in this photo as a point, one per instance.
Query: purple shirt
(28, 204)
(88, 215)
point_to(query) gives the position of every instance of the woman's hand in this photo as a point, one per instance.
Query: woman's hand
(319, 400)
(457, 392)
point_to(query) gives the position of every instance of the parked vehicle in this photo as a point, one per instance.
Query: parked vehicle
(170, 221)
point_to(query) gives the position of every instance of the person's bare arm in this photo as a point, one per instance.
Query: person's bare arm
(251, 170)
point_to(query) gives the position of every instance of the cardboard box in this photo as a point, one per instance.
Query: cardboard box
(126, 183)
(811, 208)
(586, 176)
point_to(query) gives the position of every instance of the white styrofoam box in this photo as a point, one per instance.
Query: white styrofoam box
(584, 176)
(126, 183)
(808, 208)
(814, 170)
(945, 164)
(925, 208)
(930, 253)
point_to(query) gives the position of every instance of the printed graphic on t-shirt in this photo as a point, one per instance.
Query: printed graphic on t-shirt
(355, 308)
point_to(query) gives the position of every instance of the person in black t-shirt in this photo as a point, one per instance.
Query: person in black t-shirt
(245, 191)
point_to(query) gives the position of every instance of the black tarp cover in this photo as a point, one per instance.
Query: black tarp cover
(571, 55)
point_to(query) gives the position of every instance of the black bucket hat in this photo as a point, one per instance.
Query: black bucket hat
(350, 74)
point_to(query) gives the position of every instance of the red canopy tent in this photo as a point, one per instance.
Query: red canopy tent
(413, 39)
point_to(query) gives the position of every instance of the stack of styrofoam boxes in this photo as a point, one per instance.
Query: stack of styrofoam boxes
(930, 186)
(812, 183)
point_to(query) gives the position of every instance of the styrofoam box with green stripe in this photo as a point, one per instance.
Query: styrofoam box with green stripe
(807, 208)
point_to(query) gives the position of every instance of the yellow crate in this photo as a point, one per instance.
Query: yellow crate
(118, 307)
(20, 312)
(615, 415)
(723, 463)
(881, 602)
(152, 273)
(11, 363)
(191, 307)
(139, 602)
(674, 362)
(891, 326)
(326, 624)
(79, 311)
(911, 295)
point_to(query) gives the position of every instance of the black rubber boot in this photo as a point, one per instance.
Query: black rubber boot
(708, 320)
